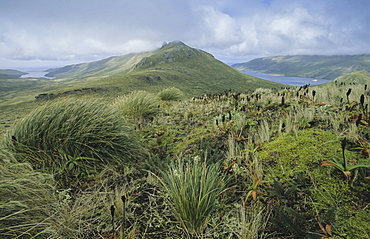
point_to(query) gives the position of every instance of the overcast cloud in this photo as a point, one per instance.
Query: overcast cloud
(45, 32)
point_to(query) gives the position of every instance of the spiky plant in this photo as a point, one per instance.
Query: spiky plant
(73, 138)
(192, 189)
(137, 105)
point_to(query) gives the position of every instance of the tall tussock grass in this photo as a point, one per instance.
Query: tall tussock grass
(170, 94)
(24, 197)
(74, 138)
(193, 189)
(137, 105)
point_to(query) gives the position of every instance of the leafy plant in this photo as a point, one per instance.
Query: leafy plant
(73, 138)
(345, 167)
(192, 189)
(287, 215)
(287, 219)
(255, 174)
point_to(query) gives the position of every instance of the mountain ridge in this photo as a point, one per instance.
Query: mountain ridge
(175, 64)
(11, 74)
(310, 66)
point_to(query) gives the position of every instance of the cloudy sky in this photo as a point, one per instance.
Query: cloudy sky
(60, 32)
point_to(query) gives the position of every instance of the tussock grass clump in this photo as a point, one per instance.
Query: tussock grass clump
(137, 105)
(73, 138)
(24, 197)
(192, 189)
(170, 94)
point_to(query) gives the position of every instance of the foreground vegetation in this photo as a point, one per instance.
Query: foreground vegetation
(288, 163)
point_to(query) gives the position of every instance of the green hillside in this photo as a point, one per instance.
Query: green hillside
(10, 74)
(106, 67)
(175, 64)
(357, 77)
(312, 66)
(83, 163)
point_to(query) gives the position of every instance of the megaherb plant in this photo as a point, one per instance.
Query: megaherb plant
(73, 138)
(345, 166)
(137, 105)
(193, 189)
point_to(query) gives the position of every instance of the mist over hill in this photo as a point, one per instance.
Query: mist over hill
(311, 66)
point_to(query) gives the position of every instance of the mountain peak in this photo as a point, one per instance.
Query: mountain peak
(172, 44)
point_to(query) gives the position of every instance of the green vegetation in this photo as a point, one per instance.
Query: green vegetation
(105, 67)
(357, 77)
(137, 105)
(345, 167)
(193, 190)
(73, 138)
(315, 66)
(10, 74)
(190, 70)
(80, 165)
(25, 194)
(170, 94)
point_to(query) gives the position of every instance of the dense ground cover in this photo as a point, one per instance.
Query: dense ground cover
(278, 157)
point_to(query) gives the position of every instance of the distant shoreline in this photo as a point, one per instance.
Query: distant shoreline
(287, 80)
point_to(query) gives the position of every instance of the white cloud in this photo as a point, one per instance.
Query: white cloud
(86, 29)
(218, 29)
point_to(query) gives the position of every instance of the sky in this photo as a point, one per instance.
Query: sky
(55, 33)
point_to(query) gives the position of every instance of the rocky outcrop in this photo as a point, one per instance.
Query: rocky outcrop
(49, 96)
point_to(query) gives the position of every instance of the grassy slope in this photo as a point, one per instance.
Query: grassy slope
(189, 128)
(309, 137)
(357, 77)
(315, 66)
(193, 71)
(105, 67)
(10, 74)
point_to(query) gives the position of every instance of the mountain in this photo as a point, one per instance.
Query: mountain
(10, 74)
(175, 64)
(311, 66)
(106, 67)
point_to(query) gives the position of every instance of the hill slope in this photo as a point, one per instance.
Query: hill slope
(173, 65)
(357, 77)
(10, 74)
(106, 67)
(312, 66)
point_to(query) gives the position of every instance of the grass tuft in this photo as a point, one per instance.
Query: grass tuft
(73, 138)
(24, 197)
(137, 105)
(192, 189)
(170, 94)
